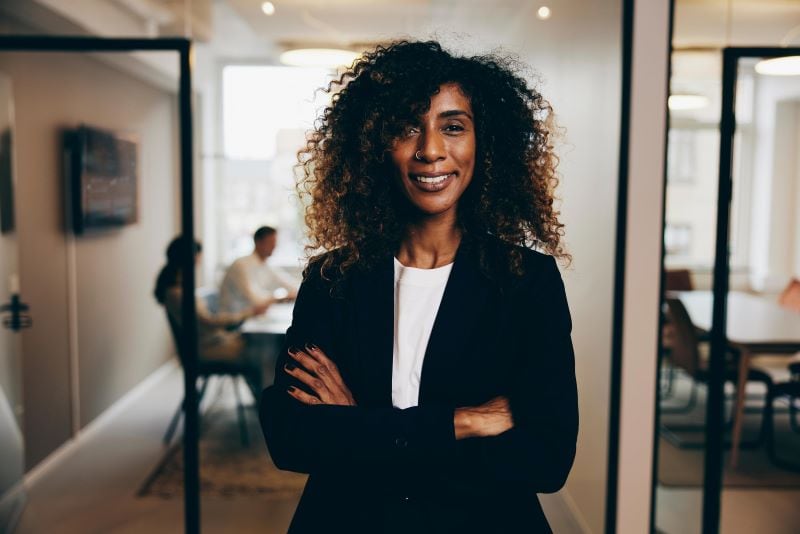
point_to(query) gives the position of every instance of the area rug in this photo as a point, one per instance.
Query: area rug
(227, 468)
(679, 467)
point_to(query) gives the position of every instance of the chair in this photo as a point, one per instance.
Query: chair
(790, 390)
(207, 369)
(685, 355)
(678, 280)
(790, 296)
(674, 280)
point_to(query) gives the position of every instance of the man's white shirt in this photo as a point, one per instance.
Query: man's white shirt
(248, 281)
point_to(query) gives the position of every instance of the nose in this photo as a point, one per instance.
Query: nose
(431, 147)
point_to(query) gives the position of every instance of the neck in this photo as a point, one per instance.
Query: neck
(429, 244)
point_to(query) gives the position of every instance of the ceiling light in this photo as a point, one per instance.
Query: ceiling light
(780, 66)
(543, 13)
(268, 8)
(318, 57)
(686, 102)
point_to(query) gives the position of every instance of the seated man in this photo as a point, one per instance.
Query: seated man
(249, 281)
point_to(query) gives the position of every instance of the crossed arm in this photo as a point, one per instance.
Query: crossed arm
(312, 422)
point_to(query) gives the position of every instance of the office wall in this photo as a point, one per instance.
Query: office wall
(578, 52)
(775, 194)
(97, 331)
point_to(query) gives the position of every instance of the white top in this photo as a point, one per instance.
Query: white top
(248, 281)
(417, 295)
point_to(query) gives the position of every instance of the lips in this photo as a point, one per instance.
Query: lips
(431, 182)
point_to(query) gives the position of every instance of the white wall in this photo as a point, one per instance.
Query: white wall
(97, 330)
(775, 237)
(642, 263)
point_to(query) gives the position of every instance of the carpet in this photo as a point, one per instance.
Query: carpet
(227, 468)
(684, 467)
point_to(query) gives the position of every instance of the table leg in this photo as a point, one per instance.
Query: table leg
(738, 416)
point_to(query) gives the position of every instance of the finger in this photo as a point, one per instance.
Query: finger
(321, 366)
(302, 396)
(319, 387)
(303, 359)
(324, 366)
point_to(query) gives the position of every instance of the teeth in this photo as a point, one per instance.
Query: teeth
(432, 179)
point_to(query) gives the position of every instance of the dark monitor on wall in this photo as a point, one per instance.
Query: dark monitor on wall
(101, 178)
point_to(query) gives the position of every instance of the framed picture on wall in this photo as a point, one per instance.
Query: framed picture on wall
(6, 182)
(101, 168)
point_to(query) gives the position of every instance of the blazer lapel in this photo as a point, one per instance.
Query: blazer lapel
(374, 332)
(464, 296)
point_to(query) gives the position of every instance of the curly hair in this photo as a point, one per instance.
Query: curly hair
(353, 208)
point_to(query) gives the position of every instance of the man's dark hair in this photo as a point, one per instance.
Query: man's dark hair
(263, 232)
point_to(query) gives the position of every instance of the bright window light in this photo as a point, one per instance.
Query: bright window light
(782, 66)
(259, 102)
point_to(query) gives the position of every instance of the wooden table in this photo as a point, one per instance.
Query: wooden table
(754, 325)
(265, 335)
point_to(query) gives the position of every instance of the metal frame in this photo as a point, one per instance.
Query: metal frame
(25, 43)
(715, 409)
(715, 406)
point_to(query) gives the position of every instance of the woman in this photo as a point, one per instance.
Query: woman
(428, 383)
(215, 341)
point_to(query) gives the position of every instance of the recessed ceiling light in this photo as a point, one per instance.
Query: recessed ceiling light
(318, 57)
(686, 102)
(268, 8)
(543, 13)
(780, 66)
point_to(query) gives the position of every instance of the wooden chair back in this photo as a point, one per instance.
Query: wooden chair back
(678, 280)
(684, 342)
(790, 296)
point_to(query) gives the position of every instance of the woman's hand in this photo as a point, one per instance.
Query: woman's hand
(489, 419)
(319, 373)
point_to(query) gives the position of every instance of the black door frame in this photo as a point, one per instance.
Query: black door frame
(712, 490)
(715, 406)
(35, 43)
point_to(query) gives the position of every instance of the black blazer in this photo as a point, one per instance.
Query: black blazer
(375, 468)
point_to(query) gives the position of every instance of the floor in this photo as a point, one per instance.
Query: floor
(92, 490)
(744, 511)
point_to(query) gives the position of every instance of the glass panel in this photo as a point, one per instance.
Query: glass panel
(761, 486)
(97, 146)
(12, 320)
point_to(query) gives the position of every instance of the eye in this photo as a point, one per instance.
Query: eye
(454, 128)
(410, 131)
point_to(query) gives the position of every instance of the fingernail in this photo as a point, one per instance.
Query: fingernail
(309, 346)
(313, 346)
(289, 367)
(291, 389)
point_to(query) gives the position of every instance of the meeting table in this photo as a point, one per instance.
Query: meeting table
(755, 325)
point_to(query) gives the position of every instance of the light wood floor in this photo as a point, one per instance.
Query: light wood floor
(744, 511)
(93, 489)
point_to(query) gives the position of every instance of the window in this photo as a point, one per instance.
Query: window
(266, 112)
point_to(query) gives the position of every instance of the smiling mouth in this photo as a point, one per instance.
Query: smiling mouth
(432, 179)
(432, 182)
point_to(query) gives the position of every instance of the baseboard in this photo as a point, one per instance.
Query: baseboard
(68, 447)
(563, 513)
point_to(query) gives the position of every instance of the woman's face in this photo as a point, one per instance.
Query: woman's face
(435, 159)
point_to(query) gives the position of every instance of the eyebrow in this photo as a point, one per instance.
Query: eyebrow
(455, 113)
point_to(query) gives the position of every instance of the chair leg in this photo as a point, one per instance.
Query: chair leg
(173, 424)
(688, 407)
(240, 410)
(667, 384)
(768, 429)
(793, 411)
